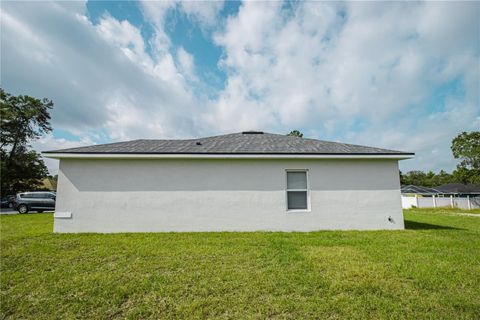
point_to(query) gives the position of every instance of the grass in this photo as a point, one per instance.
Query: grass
(431, 270)
(447, 210)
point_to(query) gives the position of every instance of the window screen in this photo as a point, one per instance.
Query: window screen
(297, 180)
(297, 191)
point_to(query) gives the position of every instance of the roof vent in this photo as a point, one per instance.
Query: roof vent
(198, 143)
(252, 132)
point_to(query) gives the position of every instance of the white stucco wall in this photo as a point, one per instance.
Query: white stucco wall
(138, 195)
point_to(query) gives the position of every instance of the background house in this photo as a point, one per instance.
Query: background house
(447, 195)
(411, 190)
(460, 190)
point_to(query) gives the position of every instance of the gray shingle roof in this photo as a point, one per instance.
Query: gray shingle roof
(460, 188)
(236, 143)
(419, 190)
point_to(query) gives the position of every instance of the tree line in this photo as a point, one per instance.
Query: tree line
(25, 119)
(431, 179)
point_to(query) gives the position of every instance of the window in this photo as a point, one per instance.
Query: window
(297, 190)
(36, 195)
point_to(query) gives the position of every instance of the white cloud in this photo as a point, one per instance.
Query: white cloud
(235, 111)
(49, 142)
(186, 63)
(125, 36)
(203, 12)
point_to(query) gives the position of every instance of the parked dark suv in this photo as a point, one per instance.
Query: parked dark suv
(34, 201)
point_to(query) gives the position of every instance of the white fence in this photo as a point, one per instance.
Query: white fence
(435, 201)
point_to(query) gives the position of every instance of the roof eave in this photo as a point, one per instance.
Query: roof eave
(60, 155)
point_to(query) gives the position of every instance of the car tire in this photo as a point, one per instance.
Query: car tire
(22, 208)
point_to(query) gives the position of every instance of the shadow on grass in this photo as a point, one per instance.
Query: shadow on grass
(414, 225)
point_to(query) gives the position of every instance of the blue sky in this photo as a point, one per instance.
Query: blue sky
(396, 75)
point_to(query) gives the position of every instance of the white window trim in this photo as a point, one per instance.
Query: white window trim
(303, 190)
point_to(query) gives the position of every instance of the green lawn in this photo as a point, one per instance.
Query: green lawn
(431, 270)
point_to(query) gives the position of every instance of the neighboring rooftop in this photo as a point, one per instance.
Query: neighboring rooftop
(411, 189)
(247, 142)
(449, 188)
(459, 188)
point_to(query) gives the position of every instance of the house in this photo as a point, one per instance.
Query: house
(244, 181)
(460, 190)
(448, 195)
(456, 189)
(422, 197)
(411, 190)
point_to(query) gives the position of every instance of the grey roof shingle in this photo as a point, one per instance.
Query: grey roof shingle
(419, 190)
(460, 188)
(235, 143)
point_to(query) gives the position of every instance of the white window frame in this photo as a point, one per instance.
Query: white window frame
(302, 190)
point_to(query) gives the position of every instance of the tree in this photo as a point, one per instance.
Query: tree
(466, 147)
(442, 178)
(295, 133)
(24, 172)
(23, 119)
(429, 179)
(417, 178)
(462, 175)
